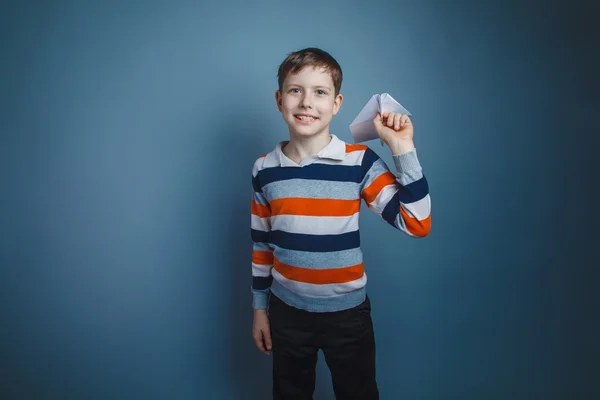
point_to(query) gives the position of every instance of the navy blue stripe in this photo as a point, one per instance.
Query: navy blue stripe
(316, 243)
(367, 162)
(261, 282)
(414, 191)
(325, 172)
(256, 185)
(259, 236)
(391, 209)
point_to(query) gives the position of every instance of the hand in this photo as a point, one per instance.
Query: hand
(262, 330)
(395, 130)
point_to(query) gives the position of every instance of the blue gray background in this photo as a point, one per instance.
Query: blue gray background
(128, 133)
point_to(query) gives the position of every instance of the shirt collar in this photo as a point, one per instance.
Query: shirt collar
(335, 150)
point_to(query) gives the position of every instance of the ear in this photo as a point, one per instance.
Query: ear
(278, 99)
(337, 103)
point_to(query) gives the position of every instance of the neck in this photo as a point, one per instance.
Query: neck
(299, 147)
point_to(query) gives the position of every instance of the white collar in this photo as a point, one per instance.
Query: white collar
(335, 150)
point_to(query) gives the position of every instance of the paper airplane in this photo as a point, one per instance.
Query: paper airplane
(362, 128)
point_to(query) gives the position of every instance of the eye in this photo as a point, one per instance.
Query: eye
(320, 91)
(294, 90)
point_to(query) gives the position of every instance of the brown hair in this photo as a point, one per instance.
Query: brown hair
(314, 57)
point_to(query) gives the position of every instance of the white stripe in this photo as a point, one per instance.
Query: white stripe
(419, 209)
(352, 158)
(259, 224)
(310, 289)
(384, 196)
(261, 270)
(258, 165)
(305, 224)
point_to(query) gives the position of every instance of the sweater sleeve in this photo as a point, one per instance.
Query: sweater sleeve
(401, 199)
(262, 253)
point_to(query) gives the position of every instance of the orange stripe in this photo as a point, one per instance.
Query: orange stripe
(355, 147)
(383, 180)
(260, 210)
(315, 207)
(320, 276)
(262, 257)
(414, 226)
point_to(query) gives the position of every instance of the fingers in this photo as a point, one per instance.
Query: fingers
(258, 341)
(390, 120)
(405, 120)
(396, 121)
(263, 345)
(267, 335)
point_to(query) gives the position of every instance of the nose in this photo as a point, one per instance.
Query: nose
(307, 101)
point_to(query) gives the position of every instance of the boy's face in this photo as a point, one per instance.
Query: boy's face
(307, 102)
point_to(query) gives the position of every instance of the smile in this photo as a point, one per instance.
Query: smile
(305, 118)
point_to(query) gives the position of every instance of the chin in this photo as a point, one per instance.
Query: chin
(307, 134)
(308, 130)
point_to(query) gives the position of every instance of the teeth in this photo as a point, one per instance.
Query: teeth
(304, 118)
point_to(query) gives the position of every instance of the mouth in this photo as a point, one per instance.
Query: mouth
(305, 118)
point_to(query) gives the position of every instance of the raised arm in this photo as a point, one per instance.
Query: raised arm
(402, 199)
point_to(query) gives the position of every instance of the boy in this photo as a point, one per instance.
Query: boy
(307, 265)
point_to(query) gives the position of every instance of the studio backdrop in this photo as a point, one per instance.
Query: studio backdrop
(128, 131)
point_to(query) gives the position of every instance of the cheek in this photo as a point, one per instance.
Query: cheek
(325, 108)
(288, 104)
(331, 110)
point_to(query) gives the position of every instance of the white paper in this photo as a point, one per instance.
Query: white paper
(362, 128)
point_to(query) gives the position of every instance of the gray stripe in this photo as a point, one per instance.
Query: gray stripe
(261, 246)
(260, 199)
(378, 168)
(408, 168)
(319, 304)
(260, 298)
(319, 260)
(312, 189)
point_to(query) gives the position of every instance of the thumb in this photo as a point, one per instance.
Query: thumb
(267, 336)
(377, 121)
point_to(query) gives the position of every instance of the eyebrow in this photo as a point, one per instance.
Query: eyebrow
(315, 87)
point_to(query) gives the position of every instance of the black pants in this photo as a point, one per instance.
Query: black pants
(346, 339)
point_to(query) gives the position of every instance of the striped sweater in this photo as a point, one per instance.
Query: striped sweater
(304, 221)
